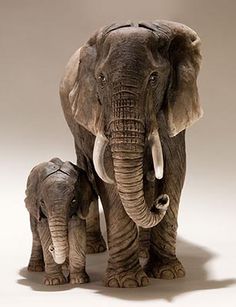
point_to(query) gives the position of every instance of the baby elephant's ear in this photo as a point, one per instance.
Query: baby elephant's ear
(32, 190)
(181, 108)
(70, 169)
(56, 161)
(86, 194)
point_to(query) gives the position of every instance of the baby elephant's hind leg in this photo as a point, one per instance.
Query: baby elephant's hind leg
(36, 262)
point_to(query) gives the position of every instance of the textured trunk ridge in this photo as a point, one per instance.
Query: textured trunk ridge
(129, 178)
(127, 146)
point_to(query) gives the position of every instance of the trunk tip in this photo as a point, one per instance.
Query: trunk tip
(60, 260)
(57, 259)
(162, 202)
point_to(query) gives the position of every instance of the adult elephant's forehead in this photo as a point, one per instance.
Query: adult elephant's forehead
(129, 46)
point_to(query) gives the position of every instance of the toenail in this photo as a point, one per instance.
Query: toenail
(167, 274)
(130, 283)
(145, 281)
(113, 283)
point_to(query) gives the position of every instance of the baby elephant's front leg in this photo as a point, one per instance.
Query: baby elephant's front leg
(54, 275)
(77, 249)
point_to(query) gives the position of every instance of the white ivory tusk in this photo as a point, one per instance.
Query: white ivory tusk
(157, 155)
(98, 157)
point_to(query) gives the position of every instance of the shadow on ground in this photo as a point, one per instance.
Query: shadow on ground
(195, 259)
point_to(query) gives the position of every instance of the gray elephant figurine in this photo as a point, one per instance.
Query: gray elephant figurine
(128, 95)
(58, 196)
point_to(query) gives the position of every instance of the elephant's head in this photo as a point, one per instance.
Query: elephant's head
(127, 76)
(58, 190)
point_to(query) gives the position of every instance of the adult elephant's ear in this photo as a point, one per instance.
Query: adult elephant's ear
(80, 76)
(32, 190)
(182, 107)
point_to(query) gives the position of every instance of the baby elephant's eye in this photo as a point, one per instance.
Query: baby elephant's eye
(73, 207)
(73, 202)
(42, 203)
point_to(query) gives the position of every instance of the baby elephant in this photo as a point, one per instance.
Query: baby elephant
(58, 196)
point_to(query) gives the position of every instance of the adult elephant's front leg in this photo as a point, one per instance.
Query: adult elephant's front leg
(124, 270)
(163, 262)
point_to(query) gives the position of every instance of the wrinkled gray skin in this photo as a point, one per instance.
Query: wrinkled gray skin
(58, 196)
(128, 95)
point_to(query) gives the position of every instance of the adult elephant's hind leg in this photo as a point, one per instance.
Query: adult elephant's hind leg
(95, 241)
(124, 270)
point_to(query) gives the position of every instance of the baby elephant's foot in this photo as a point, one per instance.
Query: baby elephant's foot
(95, 243)
(79, 278)
(164, 268)
(54, 279)
(36, 265)
(126, 279)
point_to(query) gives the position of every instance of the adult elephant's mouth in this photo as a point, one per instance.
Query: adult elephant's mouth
(127, 147)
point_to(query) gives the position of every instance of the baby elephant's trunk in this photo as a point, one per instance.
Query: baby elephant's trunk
(59, 248)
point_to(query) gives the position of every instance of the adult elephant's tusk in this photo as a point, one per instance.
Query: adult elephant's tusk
(98, 157)
(157, 156)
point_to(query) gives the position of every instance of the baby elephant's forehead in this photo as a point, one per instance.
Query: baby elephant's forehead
(59, 183)
(130, 35)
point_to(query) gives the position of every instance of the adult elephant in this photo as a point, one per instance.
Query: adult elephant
(128, 95)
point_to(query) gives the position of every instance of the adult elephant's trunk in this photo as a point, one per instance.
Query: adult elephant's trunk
(59, 247)
(127, 134)
(128, 167)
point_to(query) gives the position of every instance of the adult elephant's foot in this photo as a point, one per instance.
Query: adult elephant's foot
(95, 243)
(54, 279)
(126, 279)
(36, 265)
(79, 278)
(164, 268)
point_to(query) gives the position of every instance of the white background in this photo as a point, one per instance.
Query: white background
(37, 38)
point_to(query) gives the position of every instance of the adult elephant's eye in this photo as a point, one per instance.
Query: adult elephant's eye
(153, 79)
(102, 79)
